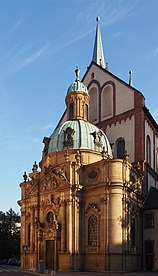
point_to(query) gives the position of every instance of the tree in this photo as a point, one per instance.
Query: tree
(9, 234)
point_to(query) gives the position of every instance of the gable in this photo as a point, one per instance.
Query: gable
(123, 94)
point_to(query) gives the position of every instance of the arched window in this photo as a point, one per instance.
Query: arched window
(93, 231)
(120, 147)
(107, 101)
(71, 111)
(148, 150)
(93, 112)
(86, 112)
(29, 234)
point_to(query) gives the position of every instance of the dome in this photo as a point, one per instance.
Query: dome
(78, 134)
(77, 85)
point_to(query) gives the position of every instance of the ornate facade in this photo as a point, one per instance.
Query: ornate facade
(81, 209)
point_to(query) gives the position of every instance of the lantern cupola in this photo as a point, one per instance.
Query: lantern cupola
(77, 100)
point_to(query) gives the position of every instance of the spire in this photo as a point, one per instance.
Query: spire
(98, 54)
(130, 78)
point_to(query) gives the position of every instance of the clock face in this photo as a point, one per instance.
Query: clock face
(93, 174)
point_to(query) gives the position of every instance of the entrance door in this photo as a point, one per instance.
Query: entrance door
(149, 262)
(50, 248)
(149, 255)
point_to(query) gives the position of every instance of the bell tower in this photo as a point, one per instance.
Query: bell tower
(77, 100)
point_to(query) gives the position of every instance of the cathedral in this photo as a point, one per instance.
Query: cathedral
(91, 202)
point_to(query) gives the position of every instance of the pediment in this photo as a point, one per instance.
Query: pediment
(50, 180)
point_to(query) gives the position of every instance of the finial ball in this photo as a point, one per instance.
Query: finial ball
(98, 18)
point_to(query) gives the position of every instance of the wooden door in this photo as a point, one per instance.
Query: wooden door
(149, 262)
(50, 251)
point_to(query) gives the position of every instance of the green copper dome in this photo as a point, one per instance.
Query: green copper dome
(77, 85)
(78, 134)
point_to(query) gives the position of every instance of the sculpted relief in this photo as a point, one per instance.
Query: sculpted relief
(50, 183)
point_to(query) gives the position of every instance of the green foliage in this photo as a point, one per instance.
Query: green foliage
(9, 234)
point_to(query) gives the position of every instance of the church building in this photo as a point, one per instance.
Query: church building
(83, 208)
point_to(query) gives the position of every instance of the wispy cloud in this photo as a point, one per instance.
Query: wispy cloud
(11, 55)
(21, 56)
(75, 39)
(33, 57)
(17, 25)
(118, 34)
(110, 13)
(12, 29)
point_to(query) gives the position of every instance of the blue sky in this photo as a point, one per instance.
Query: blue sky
(41, 42)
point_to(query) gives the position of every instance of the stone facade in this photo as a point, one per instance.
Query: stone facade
(77, 217)
(80, 211)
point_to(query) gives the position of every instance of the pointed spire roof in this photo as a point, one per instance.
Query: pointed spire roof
(98, 54)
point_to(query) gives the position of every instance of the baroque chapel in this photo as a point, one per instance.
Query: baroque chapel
(90, 204)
